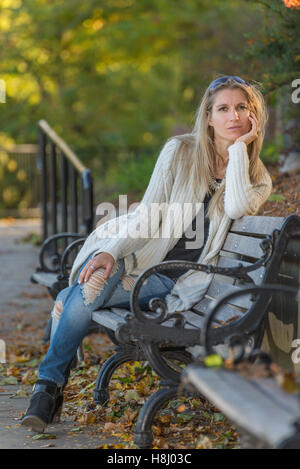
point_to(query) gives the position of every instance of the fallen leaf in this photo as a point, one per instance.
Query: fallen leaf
(213, 360)
(10, 380)
(181, 408)
(204, 443)
(44, 436)
(131, 395)
(76, 429)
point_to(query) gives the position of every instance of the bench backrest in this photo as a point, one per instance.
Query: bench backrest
(242, 246)
(282, 333)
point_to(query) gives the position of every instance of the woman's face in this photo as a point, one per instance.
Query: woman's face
(230, 115)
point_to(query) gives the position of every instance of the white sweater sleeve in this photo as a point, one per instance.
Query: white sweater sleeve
(242, 197)
(112, 236)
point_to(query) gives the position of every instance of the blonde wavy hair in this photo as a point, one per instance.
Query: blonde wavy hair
(194, 158)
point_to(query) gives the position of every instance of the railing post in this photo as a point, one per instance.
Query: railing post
(69, 170)
(43, 159)
(53, 188)
(87, 201)
(74, 200)
(64, 195)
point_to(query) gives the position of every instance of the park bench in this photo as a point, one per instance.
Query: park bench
(256, 251)
(262, 405)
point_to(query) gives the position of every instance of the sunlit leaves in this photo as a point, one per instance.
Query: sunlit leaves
(108, 77)
(292, 4)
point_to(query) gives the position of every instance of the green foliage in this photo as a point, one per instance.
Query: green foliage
(270, 153)
(273, 53)
(113, 78)
(276, 198)
(116, 78)
(136, 173)
(15, 189)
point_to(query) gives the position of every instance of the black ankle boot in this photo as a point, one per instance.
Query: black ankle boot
(45, 406)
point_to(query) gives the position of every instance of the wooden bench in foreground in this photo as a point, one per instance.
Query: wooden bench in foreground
(257, 406)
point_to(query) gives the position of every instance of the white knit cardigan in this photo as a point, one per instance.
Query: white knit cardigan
(139, 253)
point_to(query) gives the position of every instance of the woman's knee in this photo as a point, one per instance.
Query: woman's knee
(96, 282)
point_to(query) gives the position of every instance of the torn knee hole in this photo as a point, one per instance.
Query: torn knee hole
(95, 284)
(127, 282)
(93, 287)
(57, 310)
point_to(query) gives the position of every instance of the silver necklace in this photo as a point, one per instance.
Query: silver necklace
(216, 184)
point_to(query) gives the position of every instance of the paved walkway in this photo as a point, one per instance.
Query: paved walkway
(24, 311)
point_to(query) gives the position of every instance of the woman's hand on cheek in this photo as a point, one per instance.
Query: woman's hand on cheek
(253, 132)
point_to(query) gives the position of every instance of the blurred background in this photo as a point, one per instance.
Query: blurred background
(116, 78)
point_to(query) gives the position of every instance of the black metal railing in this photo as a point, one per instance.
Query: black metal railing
(67, 186)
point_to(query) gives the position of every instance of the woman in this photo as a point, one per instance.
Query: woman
(217, 165)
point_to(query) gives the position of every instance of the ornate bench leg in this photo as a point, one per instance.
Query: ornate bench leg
(143, 437)
(124, 354)
(143, 434)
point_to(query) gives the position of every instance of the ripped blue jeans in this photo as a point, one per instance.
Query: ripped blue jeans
(73, 308)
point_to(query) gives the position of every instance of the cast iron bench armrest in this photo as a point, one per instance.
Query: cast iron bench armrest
(63, 275)
(239, 337)
(240, 272)
(55, 261)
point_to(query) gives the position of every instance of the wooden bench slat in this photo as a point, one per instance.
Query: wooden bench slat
(269, 387)
(257, 275)
(256, 225)
(110, 318)
(245, 245)
(226, 312)
(188, 325)
(246, 404)
(217, 289)
(47, 279)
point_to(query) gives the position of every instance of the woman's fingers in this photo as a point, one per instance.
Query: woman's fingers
(101, 260)
(254, 123)
(253, 132)
(82, 274)
(86, 272)
(107, 271)
(90, 268)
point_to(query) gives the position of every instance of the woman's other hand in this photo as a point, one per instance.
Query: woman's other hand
(104, 259)
(253, 133)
